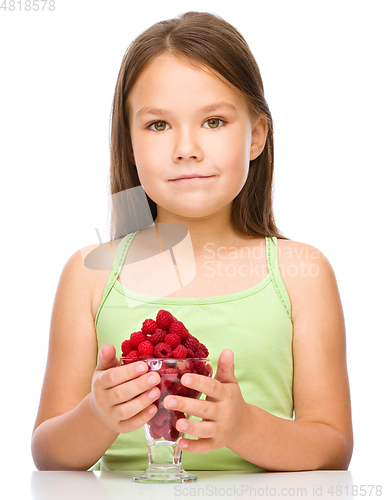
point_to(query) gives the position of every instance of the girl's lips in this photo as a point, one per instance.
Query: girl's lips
(191, 179)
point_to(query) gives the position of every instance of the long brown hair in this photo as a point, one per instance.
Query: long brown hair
(209, 41)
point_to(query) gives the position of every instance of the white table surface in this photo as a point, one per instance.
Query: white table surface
(38, 485)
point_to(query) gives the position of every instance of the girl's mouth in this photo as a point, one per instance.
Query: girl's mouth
(191, 178)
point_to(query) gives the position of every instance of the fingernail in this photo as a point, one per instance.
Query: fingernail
(188, 380)
(151, 410)
(140, 368)
(152, 379)
(152, 394)
(183, 426)
(171, 403)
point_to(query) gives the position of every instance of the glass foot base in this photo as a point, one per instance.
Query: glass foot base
(165, 475)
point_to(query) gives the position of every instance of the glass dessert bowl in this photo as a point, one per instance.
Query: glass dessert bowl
(162, 437)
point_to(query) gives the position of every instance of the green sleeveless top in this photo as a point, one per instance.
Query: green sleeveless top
(255, 324)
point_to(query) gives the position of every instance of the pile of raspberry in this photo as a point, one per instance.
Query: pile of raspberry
(163, 423)
(169, 341)
(164, 338)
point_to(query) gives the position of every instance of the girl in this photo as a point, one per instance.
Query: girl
(191, 125)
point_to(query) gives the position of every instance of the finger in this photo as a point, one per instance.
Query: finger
(135, 422)
(197, 407)
(225, 367)
(107, 358)
(121, 374)
(133, 388)
(131, 408)
(209, 386)
(199, 429)
(196, 445)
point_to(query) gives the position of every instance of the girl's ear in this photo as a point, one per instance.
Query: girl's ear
(259, 137)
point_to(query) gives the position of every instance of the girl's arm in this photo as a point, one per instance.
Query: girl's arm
(320, 437)
(81, 410)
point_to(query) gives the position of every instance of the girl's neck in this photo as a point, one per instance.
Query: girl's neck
(217, 230)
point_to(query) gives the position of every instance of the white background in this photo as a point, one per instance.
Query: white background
(321, 64)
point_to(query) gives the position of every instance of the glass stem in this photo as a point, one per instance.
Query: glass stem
(164, 456)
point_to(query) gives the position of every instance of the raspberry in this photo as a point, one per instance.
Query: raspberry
(200, 354)
(163, 424)
(202, 368)
(164, 386)
(149, 326)
(126, 347)
(185, 366)
(163, 350)
(133, 355)
(145, 356)
(176, 415)
(179, 329)
(191, 343)
(165, 431)
(190, 353)
(202, 351)
(155, 431)
(172, 340)
(193, 394)
(180, 352)
(164, 319)
(170, 374)
(158, 336)
(146, 348)
(161, 417)
(174, 434)
(168, 377)
(177, 389)
(136, 338)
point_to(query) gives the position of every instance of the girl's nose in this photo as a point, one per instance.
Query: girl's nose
(187, 147)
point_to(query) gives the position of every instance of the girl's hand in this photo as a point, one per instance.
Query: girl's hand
(224, 412)
(122, 396)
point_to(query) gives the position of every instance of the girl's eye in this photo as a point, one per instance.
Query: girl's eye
(158, 126)
(214, 123)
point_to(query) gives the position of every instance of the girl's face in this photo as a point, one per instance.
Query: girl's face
(192, 138)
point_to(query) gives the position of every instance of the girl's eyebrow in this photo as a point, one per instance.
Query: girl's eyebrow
(150, 111)
(218, 106)
(145, 111)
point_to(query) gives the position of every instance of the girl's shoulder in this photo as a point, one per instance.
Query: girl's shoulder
(296, 252)
(307, 273)
(88, 270)
(99, 257)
